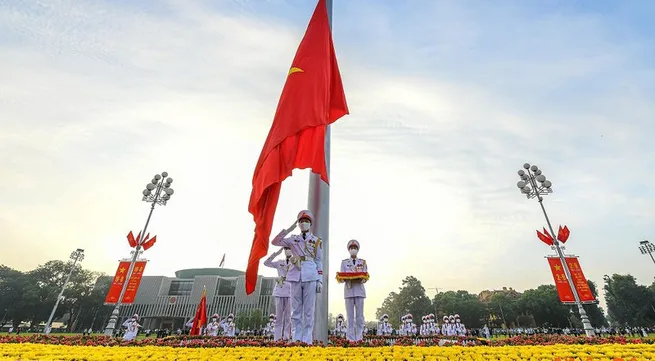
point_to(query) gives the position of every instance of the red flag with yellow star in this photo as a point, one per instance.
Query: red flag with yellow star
(200, 320)
(312, 98)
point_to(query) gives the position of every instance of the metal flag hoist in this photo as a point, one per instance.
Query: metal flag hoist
(311, 100)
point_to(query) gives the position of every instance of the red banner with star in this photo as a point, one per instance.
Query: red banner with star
(119, 280)
(579, 280)
(562, 284)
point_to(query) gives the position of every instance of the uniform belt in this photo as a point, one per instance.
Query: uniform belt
(302, 258)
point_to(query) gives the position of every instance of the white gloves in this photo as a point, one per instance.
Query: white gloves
(319, 286)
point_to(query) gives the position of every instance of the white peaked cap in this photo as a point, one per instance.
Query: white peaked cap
(456, 316)
(445, 317)
(272, 315)
(351, 243)
(215, 315)
(135, 316)
(306, 214)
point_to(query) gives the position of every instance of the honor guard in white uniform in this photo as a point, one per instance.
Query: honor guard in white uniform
(445, 326)
(354, 292)
(434, 328)
(269, 330)
(384, 327)
(229, 328)
(485, 332)
(307, 257)
(460, 329)
(423, 329)
(451, 326)
(340, 328)
(411, 327)
(282, 292)
(132, 326)
(213, 326)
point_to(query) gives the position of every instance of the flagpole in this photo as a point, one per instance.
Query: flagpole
(319, 205)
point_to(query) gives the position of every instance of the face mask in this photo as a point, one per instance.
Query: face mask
(214, 319)
(304, 226)
(457, 321)
(353, 251)
(287, 253)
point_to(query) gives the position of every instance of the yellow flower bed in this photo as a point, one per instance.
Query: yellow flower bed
(31, 352)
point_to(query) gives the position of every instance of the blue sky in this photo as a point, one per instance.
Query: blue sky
(448, 99)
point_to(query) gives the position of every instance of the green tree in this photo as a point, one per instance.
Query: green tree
(545, 307)
(505, 309)
(411, 298)
(471, 310)
(627, 302)
(594, 311)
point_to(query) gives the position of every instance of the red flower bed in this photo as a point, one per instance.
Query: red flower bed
(535, 340)
(375, 341)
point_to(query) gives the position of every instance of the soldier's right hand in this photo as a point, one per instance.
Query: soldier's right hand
(293, 226)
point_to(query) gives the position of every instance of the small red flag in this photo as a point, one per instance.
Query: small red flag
(200, 320)
(312, 98)
(149, 243)
(131, 240)
(544, 238)
(563, 234)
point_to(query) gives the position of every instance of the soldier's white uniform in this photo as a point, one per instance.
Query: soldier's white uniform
(460, 329)
(282, 293)
(307, 257)
(485, 332)
(132, 326)
(452, 331)
(384, 327)
(213, 326)
(354, 292)
(411, 327)
(433, 329)
(229, 328)
(269, 330)
(423, 329)
(445, 326)
(340, 328)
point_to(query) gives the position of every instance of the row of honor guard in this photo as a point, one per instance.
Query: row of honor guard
(226, 327)
(451, 326)
(300, 278)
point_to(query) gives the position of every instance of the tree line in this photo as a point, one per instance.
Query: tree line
(30, 296)
(628, 303)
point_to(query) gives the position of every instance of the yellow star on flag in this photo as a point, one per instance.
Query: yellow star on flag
(557, 267)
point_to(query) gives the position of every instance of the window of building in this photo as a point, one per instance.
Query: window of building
(267, 287)
(226, 287)
(180, 288)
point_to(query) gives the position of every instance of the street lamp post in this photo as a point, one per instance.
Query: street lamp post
(533, 184)
(158, 191)
(76, 256)
(647, 248)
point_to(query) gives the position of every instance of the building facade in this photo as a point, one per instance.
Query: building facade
(167, 302)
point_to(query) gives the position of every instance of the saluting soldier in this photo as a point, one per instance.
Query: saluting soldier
(307, 257)
(282, 292)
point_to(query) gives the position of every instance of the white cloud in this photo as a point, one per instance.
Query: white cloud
(96, 97)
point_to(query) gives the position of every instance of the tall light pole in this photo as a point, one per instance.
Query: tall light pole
(76, 256)
(647, 248)
(533, 184)
(158, 191)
